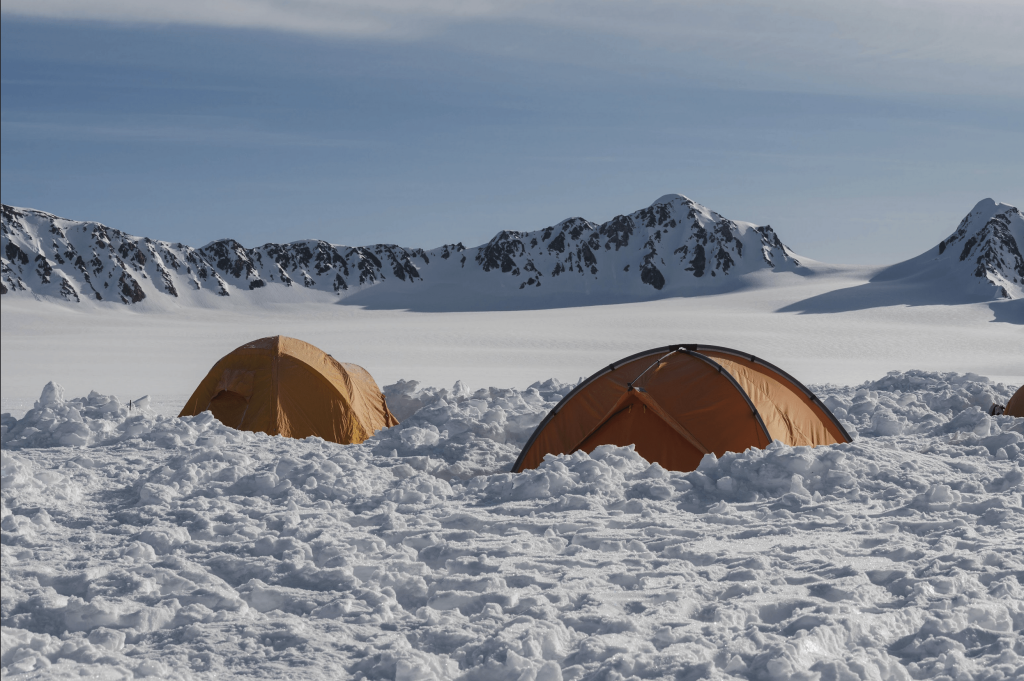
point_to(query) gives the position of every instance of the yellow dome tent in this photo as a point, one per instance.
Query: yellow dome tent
(679, 402)
(283, 386)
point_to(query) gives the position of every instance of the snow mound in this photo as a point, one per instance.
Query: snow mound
(104, 420)
(473, 433)
(416, 555)
(915, 402)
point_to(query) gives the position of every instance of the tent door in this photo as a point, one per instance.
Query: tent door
(232, 399)
(229, 408)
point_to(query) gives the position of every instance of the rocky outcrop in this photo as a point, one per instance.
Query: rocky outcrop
(673, 243)
(987, 245)
(980, 260)
(674, 240)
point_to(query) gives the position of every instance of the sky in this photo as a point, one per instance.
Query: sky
(862, 132)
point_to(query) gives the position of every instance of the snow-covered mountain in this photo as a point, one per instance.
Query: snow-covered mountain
(673, 245)
(982, 258)
(52, 256)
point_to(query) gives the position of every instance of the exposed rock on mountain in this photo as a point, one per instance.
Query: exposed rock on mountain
(48, 255)
(981, 258)
(979, 262)
(674, 242)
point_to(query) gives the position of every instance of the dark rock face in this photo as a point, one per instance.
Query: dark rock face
(651, 275)
(231, 258)
(616, 232)
(672, 241)
(770, 242)
(698, 262)
(985, 243)
(499, 252)
(43, 268)
(15, 254)
(991, 248)
(129, 289)
(68, 292)
(449, 249)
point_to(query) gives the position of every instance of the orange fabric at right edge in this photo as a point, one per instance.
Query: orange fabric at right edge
(1015, 407)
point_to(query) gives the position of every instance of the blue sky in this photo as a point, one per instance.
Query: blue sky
(861, 136)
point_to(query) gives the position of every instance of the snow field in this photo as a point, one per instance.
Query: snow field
(167, 354)
(135, 544)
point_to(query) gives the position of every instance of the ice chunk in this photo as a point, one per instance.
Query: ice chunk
(52, 396)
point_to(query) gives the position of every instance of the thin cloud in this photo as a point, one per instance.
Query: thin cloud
(377, 18)
(939, 46)
(173, 130)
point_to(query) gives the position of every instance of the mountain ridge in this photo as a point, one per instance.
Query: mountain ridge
(986, 246)
(674, 246)
(979, 262)
(673, 239)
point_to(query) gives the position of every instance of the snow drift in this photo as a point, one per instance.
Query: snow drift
(179, 547)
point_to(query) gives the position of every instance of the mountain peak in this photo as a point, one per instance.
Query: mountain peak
(988, 206)
(673, 245)
(669, 198)
(981, 258)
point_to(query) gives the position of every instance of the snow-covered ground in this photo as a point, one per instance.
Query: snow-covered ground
(137, 544)
(118, 350)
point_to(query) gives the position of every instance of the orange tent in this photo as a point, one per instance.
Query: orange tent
(678, 403)
(283, 386)
(1015, 407)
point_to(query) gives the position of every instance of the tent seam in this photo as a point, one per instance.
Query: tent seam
(689, 348)
(735, 383)
(572, 393)
(811, 397)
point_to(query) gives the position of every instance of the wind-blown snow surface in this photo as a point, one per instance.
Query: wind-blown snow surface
(136, 544)
(167, 354)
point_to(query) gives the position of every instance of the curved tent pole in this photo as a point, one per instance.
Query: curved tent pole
(664, 351)
(648, 400)
(619, 406)
(722, 370)
(804, 389)
(572, 393)
(692, 349)
(656, 363)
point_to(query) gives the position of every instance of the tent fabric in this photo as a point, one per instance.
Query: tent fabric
(791, 416)
(678, 403)
(1015, 407)
(284, 386)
